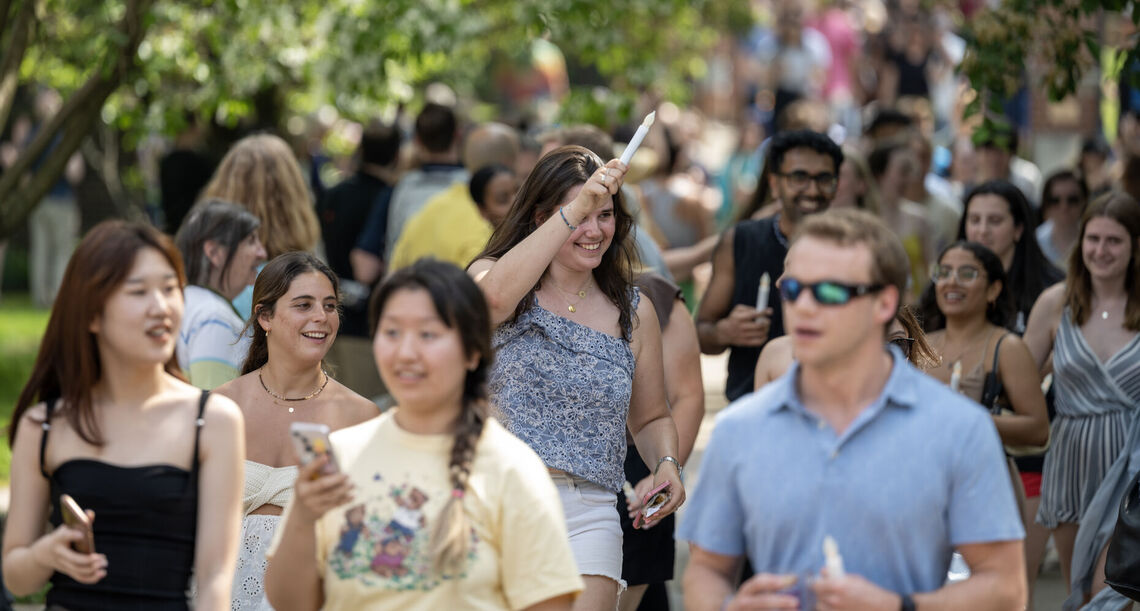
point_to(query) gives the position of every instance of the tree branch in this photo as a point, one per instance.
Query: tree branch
(68, 128)
(17, 45)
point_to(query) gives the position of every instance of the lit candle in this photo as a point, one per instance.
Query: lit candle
(762, 294)
(638, 136)
(956, 376)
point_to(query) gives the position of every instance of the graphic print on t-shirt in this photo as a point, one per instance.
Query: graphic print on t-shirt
(385, 542)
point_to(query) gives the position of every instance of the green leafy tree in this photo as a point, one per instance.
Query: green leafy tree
(135, 67)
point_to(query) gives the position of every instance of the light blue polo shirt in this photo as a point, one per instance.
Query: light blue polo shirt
(919, 472)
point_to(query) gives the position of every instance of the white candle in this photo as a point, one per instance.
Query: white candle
(956, 376)
(762, 294)
(638, 136)
(831, 558)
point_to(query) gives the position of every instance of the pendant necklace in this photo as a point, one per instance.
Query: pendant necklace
(277, 399)
(570, 306)
(1104, 315)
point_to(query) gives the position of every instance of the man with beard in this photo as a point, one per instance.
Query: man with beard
(803, 170)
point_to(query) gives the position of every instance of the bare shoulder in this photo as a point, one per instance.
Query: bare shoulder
(777, 349)
(353, 408)
(1052, 299)
(31, 424)
(645, 317)
(221, 411)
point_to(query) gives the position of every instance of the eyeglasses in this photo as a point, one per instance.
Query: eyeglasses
(965, 274)
(904, 344)
(799, 180)
(827, 292)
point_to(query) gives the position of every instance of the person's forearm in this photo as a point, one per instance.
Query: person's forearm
(214, 591)
(688, 412)
(980, 592)
(709, 338)
(520, 268)
(1018, 429)
(23, 574)
(705, 589)
(291, 579)
(658, 438)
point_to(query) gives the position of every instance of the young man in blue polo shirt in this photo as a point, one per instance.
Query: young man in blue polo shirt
(854, 443)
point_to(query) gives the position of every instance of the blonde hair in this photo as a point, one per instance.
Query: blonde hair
(261, 173)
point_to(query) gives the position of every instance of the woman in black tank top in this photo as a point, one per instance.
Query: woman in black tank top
(107, 419)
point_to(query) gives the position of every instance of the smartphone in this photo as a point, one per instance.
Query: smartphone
(75, 517)
(652, 503)
(312, 441)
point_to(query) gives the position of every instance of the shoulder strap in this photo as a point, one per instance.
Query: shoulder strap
(997, 350)
(43, 439)
(198, 428)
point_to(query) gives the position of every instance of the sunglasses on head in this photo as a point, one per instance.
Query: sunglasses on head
(827, 292)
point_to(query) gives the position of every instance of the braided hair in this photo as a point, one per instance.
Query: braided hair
(460, 304)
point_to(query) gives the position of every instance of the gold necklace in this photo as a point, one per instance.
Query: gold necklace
(278, 398)
(566, 298)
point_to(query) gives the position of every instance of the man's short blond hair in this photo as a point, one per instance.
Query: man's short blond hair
(890, 265)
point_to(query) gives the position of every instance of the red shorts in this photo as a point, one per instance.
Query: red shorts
(1032, 483)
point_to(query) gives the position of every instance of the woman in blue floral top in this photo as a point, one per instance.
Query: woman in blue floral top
(578, 352)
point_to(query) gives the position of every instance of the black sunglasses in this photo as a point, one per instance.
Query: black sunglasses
(904, 344)
(826, 292)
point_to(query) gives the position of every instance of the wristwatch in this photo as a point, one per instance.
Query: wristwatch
(663, 459)
(906, 603)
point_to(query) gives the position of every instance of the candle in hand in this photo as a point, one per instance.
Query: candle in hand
(762, 294)
(638, 136)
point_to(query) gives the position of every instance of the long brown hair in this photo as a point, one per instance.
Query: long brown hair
(68, 365)
(271, 285)
(460, 304)
(547, 185)
(261, 173)
(1120, 207)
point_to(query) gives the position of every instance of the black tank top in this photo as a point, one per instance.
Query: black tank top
(757, 247)
(146, 519)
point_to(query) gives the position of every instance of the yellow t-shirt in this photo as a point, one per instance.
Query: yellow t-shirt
(374, 554)
(449, 228)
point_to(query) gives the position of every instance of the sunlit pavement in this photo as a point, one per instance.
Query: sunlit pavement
(1049, 591)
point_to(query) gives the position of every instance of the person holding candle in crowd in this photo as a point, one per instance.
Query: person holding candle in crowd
(107, 419)
(1090, 324)
(436, 506)
(579, 352)
(295, 322)
(803, 172)
(852, 443)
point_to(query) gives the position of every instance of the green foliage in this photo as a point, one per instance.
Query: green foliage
(1061, 35)
(215, 58)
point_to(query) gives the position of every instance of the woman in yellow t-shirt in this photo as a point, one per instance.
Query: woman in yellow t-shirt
(436, 505)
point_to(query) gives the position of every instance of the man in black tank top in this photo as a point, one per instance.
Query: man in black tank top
(803, 178)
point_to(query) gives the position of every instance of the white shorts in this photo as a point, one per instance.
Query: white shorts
(593, 525)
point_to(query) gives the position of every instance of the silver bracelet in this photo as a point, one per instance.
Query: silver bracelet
(663, 459)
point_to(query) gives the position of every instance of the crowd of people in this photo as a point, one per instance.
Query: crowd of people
(931, 364)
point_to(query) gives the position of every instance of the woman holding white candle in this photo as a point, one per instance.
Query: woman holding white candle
(579, 352)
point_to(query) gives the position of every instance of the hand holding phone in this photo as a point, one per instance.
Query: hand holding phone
(312, 441)
(74, 517)
(652, 503)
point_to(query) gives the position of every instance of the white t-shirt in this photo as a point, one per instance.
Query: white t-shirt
(210, 346)
(374, 554)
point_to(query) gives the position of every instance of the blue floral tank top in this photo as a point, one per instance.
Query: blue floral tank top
(564, 389)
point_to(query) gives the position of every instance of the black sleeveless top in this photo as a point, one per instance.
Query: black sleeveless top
(146, 519)
(757, 247)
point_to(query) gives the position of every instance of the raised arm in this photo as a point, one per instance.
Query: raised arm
(219, 502)
(506, 281)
